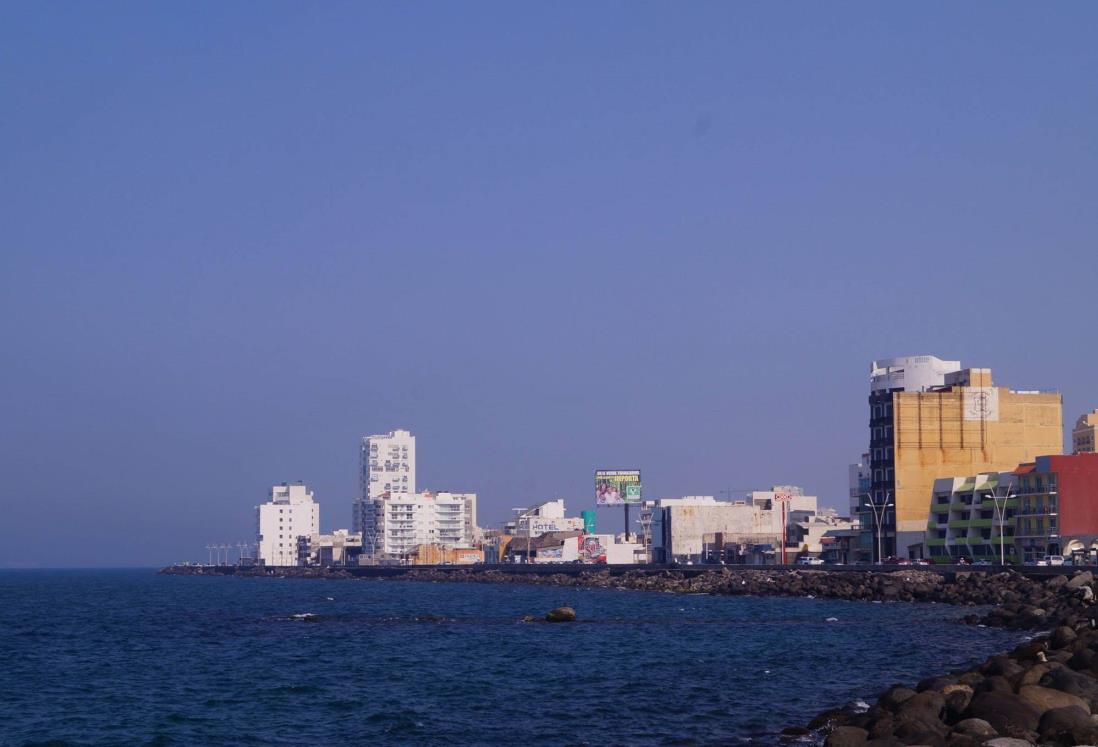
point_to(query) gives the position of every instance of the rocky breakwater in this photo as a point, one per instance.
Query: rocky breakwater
(1044, 692)
(1018, 602)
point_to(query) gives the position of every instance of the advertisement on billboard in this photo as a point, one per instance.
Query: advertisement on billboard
(591, 549)
(617, 487)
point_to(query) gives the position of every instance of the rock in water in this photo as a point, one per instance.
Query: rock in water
(561, 615)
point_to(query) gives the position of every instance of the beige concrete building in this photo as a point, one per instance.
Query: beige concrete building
(966, 426)
(1082, 436)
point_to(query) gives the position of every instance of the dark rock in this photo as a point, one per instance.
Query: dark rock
(830, 718)
(1074, 683)
(995, 684)
(561, 614)
(1007, 713)
(1045, 698)
(896, 695)
(846, 736)
(1083, 577)
(975, 727)
(1059, 724)
(1061, 637)
(957, 697)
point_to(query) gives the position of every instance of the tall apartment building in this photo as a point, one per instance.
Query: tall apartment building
(956, 422)
(387, 465)
(396, 524)
(290, 513)
(1082, 436)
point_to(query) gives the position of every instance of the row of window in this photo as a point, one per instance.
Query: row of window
(881, 411)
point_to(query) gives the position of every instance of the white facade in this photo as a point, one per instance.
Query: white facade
(397, 524)
(387, 465)
(543, 518)
(913, 373)
(859, 477)
(290, 513)
(680, 526)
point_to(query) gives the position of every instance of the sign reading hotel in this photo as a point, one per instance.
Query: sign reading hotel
(617, 487)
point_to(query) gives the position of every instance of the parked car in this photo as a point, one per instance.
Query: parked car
(924, 561)
(981, 562)
(807, 560)
(1055, 559)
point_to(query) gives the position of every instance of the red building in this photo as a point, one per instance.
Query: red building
(1058, 507)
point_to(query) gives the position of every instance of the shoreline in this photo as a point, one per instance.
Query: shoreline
(1042, 692)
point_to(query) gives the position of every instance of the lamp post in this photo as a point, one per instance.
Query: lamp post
(879, 511)
(1000, 512)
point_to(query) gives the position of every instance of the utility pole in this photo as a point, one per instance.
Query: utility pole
(783, 499)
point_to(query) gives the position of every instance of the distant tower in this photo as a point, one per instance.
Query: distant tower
(387, 464)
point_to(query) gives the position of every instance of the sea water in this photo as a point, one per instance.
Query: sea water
(121, 657)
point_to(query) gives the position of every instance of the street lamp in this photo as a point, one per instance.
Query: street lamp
(878, 519)
(1000, 512)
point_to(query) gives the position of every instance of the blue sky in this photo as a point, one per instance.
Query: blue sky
(546, 238)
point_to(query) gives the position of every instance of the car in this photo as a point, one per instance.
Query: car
(807, 560)
(924, 561)
(1055, 559)
(981, 562)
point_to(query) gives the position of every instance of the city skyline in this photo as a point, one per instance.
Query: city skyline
(545, 240)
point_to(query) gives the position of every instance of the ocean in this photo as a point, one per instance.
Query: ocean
(129, 657)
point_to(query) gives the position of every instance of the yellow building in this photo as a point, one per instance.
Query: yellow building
(965, 426)
(442, 555)
(1082, 436)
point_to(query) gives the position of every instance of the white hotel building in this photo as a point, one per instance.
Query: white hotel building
(290, 513)
(396, 524)
(387, 465)
(393, 518)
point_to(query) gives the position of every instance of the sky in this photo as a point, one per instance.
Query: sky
(547, 238)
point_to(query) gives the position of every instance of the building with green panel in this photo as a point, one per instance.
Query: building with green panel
(964, 521)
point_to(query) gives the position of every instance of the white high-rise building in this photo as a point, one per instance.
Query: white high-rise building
(290, 513)
(387, 465)
(394, 525)
(913, 373)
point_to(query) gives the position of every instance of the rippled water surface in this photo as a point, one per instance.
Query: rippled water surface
(130, 657)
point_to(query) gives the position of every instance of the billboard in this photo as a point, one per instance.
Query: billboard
(591, 549)
(617, 487)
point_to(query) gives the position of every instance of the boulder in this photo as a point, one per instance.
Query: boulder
(1074, 683)
(1060, 724)
(957, 698)
(1033, 675)
(830, 718)
(896, 695)
(1056, 582)
(561, 614)
(1008, 742)
(974, 727)
(847, 736)
(1045, 698)
(921, 716)
(995, 684)
(1079, 579)
(1061, 637)
(1007, 713)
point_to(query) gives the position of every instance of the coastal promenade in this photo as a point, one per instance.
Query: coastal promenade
(948, 572)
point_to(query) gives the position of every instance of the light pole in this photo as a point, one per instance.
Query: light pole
(879, 511)
(1000, 513)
